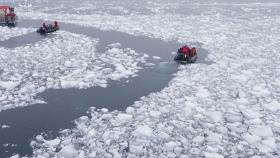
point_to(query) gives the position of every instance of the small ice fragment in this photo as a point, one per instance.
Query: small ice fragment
(5, 126)
(144, 130)
(156, 57)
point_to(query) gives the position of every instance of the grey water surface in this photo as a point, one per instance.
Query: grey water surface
(65, 105)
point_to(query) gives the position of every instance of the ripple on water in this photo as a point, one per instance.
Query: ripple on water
(167, 67)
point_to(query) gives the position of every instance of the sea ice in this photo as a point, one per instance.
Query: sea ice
(241, 85)
(7, 33)
(66, 60)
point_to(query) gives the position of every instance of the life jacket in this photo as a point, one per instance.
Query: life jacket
(185, 50)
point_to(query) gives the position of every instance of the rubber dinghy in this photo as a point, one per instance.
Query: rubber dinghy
(48, 28)
(186, 55)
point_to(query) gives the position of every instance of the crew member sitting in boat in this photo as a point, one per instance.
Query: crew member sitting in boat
(48, 28)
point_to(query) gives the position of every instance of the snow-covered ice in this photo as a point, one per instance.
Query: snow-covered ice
(217, 110)
(233, 103)
(7, 32)
(64, 60)
(15, 156)
(144, 131)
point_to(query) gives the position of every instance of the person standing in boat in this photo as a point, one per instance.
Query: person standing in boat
(44, 26)
(56, 24)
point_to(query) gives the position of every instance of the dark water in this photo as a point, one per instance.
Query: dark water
(65, 105)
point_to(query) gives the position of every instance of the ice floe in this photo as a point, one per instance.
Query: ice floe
(5, 126)
(225, 109)
(229, 108)
(62, 60)
(7, 32)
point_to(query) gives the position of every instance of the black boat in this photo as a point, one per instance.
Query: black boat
(47, 29)
(185, 59)
(186, 55)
